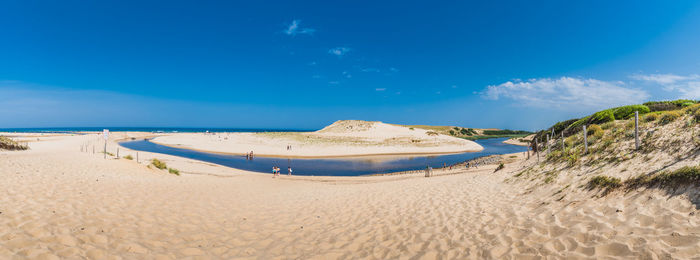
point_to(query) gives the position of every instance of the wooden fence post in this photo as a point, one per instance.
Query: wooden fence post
(537, 150)
(548, 150)
(585, 140)
(636, 130)
(562, 141)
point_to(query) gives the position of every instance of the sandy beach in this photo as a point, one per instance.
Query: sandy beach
(59, 202)
(341, 139)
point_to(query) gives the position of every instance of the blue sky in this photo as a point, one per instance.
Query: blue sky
(505, 64)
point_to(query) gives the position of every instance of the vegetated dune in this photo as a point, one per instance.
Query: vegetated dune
(637, 203)
(342, 138)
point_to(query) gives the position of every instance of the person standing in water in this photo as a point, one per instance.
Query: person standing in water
(289, 170)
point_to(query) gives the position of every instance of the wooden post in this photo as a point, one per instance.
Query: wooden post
(137, 157)
(585, 140)
(548, 150)
(528, 153)
(117, 152)
(105, 151)
(562, 141)
(636, 130)
(537, 150)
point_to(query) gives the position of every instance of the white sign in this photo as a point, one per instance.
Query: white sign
(105, 133)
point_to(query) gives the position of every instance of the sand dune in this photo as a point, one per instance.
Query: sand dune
(58, 202)
(342, 138)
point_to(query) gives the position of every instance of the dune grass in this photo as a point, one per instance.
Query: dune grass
(684, 176)
(9, 144)
(159, 164)
(174, 171)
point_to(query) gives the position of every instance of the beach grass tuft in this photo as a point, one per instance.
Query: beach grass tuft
(159, 164)
(174, 171)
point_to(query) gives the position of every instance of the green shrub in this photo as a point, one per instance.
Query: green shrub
(573, 158)
(452, 132)
(626, 112)
(411, 128)
(604, 182)
(680, 102)
(696, 115)
(128, 157)
(650, 117)
(668, 117)
(687, 104)
(174, 171)
(602, 117)
(595, 130)
(159, 164)
(691, 109)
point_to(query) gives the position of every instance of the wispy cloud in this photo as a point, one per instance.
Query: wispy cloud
(392, 69)
(686, 86)
(379, 89)
(339, 51)
(370, 70)
(294, 28)
(347, 74)
(566, 92)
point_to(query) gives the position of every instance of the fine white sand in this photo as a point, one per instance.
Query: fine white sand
(59, 202)
(342, 138)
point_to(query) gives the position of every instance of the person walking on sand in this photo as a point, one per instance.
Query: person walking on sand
(273, 172)
(289, 169)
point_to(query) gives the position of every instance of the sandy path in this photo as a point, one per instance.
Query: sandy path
(58, 202)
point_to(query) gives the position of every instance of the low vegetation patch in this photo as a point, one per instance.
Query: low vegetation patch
(687, 175)
(606, 182)
(500, 167)
(668, 117)
(159, 164)
(128, 157)
(9, 144)
(174, 171)
(650, 117)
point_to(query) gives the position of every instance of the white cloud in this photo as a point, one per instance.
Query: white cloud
(566, 92)
(333, 82)
(664, 79)
(339, 51)
(370, 70)
(347, 74)
(294, 29)
(687, 86)
(392, 69)
(379, 89)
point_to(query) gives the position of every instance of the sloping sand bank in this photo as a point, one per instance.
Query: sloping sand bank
(59, 202)
(342, 138)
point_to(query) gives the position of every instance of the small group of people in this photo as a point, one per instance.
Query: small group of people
(472, 164)
(249, 156)
(289, 147)
(276, 171)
